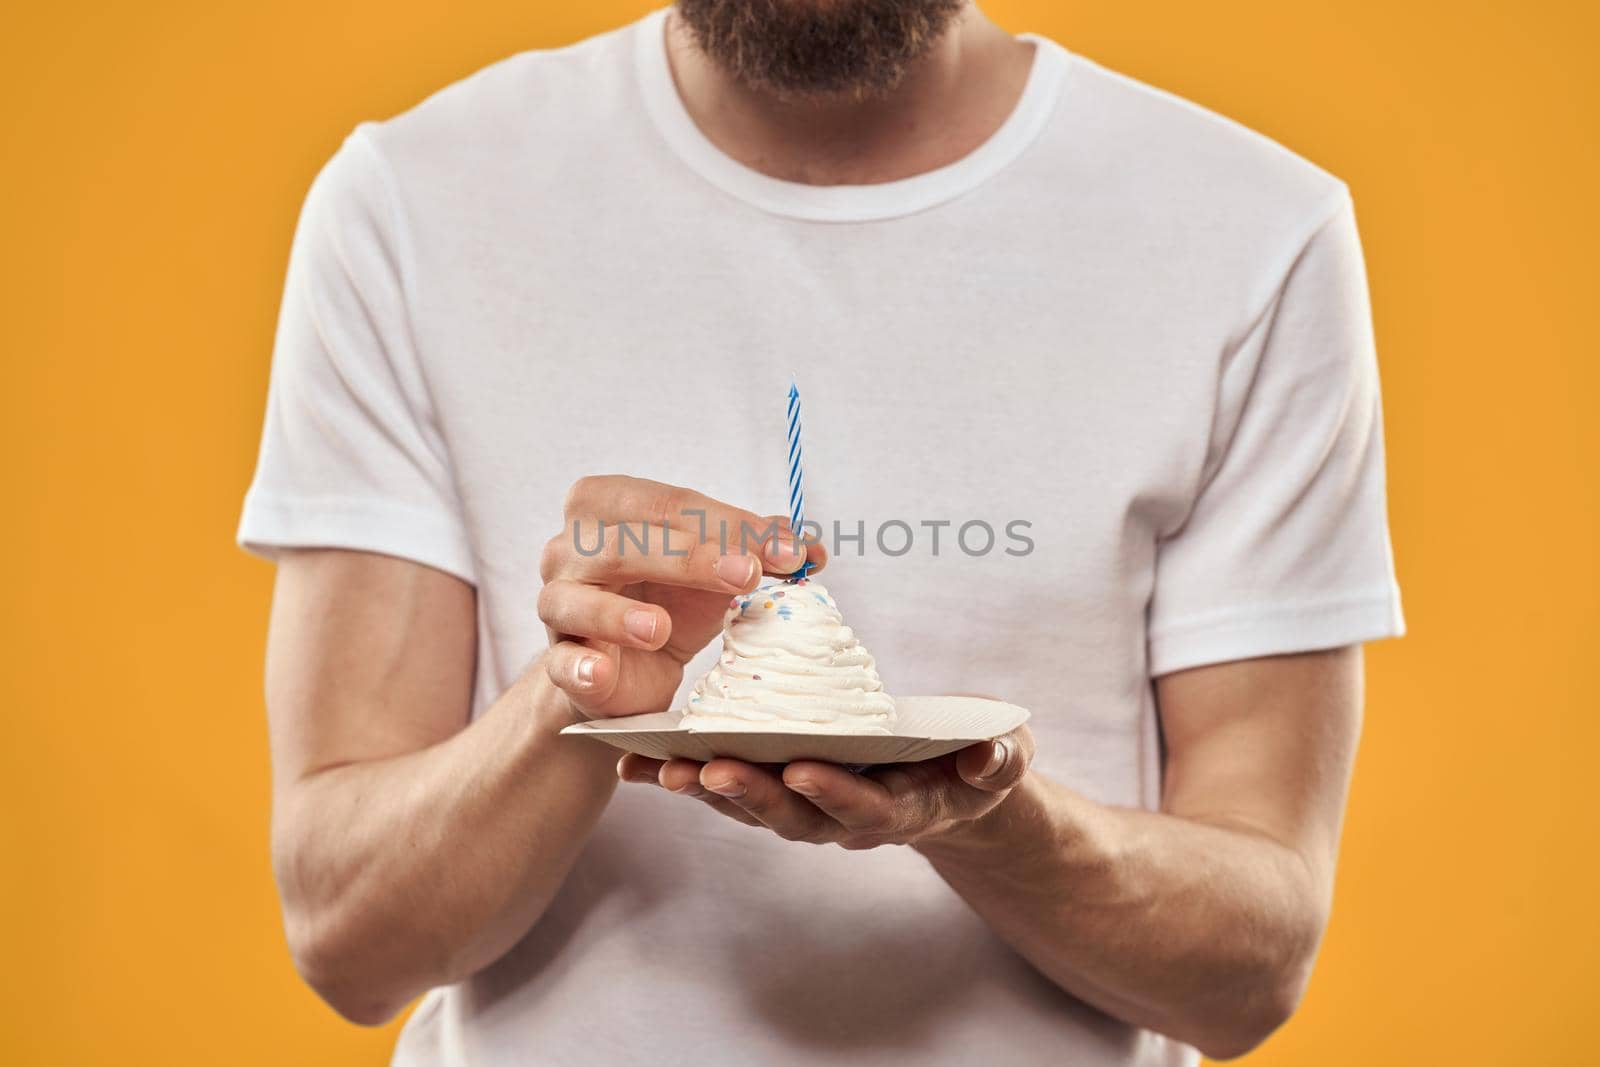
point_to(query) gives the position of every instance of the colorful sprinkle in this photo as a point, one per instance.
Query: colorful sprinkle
(777, 595)
(768, 604)
(755, 677)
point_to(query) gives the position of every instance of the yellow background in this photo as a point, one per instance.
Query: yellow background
(152, 159)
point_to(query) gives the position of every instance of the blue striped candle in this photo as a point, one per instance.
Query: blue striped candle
(797, 475)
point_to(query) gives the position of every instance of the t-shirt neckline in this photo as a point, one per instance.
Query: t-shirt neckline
(844, 203)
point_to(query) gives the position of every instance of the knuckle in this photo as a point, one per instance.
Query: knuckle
(578, 495)
(552, 556)
(861, 842)
(562, 608)
(606, 564)
(699, 558)
(755, 531)
(550, 601)
(664, 504)
(906, 814)
(937, 808)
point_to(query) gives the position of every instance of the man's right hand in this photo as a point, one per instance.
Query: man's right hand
(624, 620)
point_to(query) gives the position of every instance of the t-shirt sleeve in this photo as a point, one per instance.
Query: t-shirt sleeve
(351, 452)
(1286, 546)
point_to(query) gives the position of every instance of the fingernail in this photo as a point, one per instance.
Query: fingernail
(641, 779)
(997, 759)
(736, 570)
(804, 788)
(585, 670)
(641, 624)
(690, 790)
(727, 787)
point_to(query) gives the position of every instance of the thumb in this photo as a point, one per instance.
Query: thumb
(993, 766)
(587, 673)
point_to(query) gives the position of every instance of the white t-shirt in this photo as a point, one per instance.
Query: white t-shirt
(1124, 332)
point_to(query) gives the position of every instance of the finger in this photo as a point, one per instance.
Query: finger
(609, 556)
(928, 792)
(765, 797)
(578, 610)
(638, 769)
(998, 765)
(785, 554)
(816, 555)
(861, 805)
(816, 552)
(682, 776)
(643, 770)
(782, 551)
(586, 673)
(615, 498)
(730, 809)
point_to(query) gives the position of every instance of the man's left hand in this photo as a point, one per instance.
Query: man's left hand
(900, 804)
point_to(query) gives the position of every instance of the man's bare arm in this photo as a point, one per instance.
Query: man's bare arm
(1201, 921)
(413, 849)
(410, 847)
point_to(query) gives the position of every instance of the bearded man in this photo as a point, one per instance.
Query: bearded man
(1020, 291)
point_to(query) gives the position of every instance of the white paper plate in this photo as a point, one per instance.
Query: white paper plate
(925, 727)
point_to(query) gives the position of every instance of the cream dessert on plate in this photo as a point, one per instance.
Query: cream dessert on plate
(790, 663)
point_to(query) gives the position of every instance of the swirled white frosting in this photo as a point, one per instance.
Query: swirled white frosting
(789, 661)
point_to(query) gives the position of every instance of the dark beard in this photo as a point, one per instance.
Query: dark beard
(817, 47)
